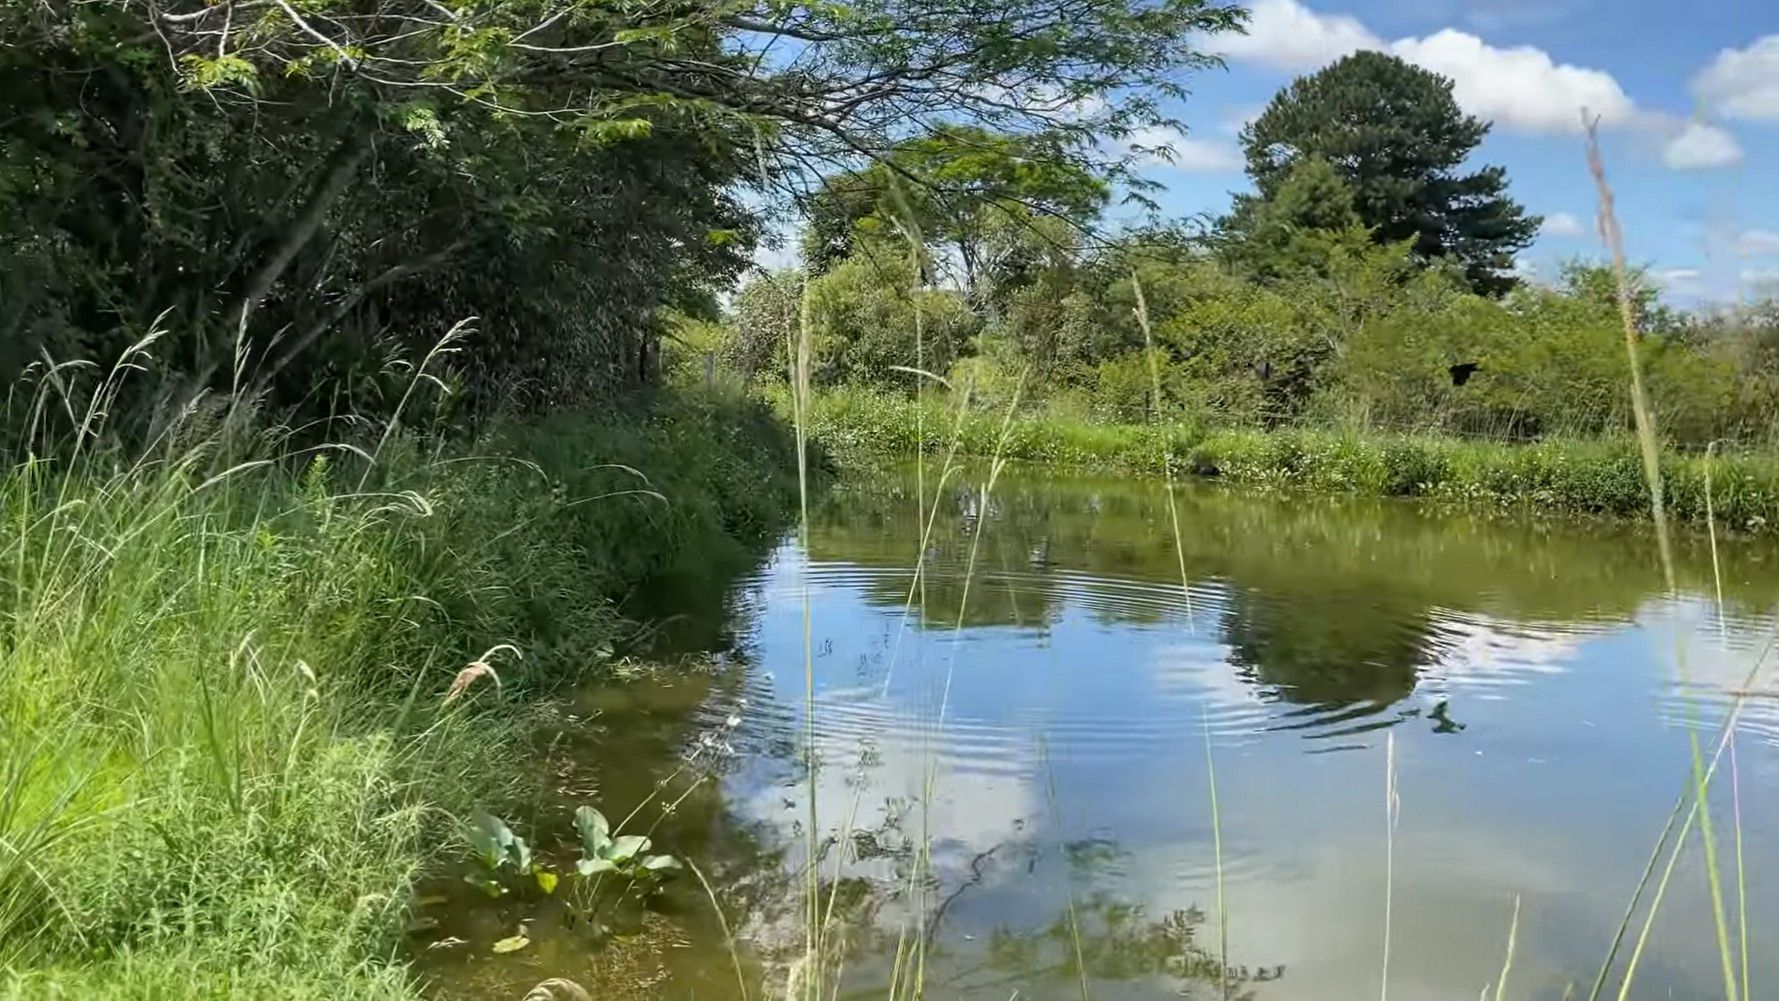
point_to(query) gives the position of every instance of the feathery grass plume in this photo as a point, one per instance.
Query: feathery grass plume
(476, 670)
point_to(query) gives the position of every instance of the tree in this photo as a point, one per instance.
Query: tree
(1395, 134)
(866, 315)
(1597, 284)
(305, 188)
(973, 187)
(1309, 218)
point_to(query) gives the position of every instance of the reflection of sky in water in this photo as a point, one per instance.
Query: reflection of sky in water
(1537, 758)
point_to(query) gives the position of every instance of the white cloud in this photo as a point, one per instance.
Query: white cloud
(1205, 156)
(1521, 88)
(1287, 35)
(1743, 83)
(1680, 281)
(1167, 148)
(1562, 224)
(1701, 146)
(1757, 243)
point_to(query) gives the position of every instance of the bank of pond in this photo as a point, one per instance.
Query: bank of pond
(1738, 487)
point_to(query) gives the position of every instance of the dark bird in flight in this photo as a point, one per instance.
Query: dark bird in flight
(1442, 720)
(1462, 372)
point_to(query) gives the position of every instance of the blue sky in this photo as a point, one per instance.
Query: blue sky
(1688, 97)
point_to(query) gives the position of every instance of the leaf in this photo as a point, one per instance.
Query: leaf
(594, 829)
(519, 853)
(484, 835)
(430, 900)
(546, 880)
(625, 848)
(511, 944)
(594, 866)
(491, 887)
(661, 863)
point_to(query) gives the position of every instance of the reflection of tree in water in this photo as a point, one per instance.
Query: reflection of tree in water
(1103, 938)
(1050, 523)
(1098, 936)
(1328, 647)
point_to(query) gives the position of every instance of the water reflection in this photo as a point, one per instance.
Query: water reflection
(1009, 758)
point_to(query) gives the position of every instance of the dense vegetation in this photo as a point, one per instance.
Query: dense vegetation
(303, 196)
(231, 739)
(1566, 475)
(381, 288)
(1366, 285)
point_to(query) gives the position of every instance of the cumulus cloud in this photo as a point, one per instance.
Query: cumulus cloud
(1203, 156)
(1521, 88)
(1701, 146)
(1286, 35)
(1562, 224)
(1757, 243)
(1743, 83)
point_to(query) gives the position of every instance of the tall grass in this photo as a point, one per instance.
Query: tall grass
(225, 754)
(1649, 447)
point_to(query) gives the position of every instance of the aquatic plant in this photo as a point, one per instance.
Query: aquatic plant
(624, 855)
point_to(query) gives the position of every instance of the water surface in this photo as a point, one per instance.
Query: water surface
(1014, 747)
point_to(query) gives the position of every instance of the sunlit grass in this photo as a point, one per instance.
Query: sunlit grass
(229, 746)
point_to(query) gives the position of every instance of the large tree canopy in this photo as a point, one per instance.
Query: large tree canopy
(299, 188)
(1395, 134)
(974, 187)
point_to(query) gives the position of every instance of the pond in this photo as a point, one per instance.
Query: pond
(1014, 753)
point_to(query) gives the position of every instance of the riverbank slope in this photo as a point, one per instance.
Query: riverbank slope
(246, 693)
(1577, 476)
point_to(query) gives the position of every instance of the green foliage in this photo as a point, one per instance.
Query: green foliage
(229, 732)
(623, 855)
(866, 314)
(765, 317)
(303, 210)
(309, 195)
(1571, 475)
(1398, 138)
(1308, 219)
(969, 186)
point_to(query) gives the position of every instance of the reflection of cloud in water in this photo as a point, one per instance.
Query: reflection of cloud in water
(875, 764)
(1477, 651)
